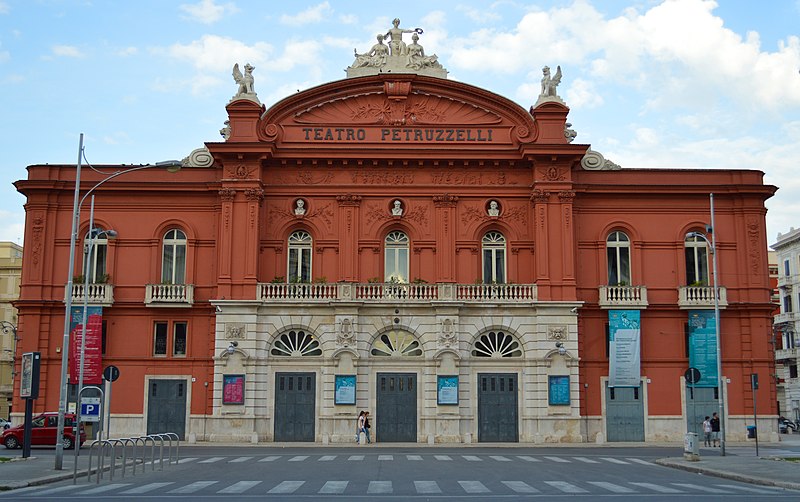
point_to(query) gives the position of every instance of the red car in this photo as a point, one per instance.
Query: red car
(43, 432)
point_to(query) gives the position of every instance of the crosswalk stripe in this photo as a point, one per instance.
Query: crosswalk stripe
(427, 487)
(612, 487)
(528, 459)
(385, 457)
(240, 459)
(327, 458)
(270, 458)
(520, 486)
(298, 458)
(211, 460)
(566, 487)
(702, 488)
(558, 459)
(414, 457)
(499, 458)
(748, 489)
(187, 460)
(472, 458)
(58, 489)
(239, 487)
(473, 487)
(101, 489)
(379, 487)
(286, 487)
(614, 460)
(334, 487)
(442, 457)
(586, 460)
(146, 488)
(657, 488)
(639, 461)
(355, 457)
(193, 487)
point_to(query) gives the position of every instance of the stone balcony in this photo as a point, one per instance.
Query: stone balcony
(632, 297)
(394, 293)
(701, 297)
(785, 317)
(169, 295)
(787, 354)
(96, 294)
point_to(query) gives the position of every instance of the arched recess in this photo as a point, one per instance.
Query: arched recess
(156, 239)
(496, 343)
(110, 249)
(634, 250)
(294, 343)
(396, 341)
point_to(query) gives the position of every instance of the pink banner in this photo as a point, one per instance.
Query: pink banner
(92, 351)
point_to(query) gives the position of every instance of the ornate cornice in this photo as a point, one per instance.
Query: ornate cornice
(348, 200)
(446, 200)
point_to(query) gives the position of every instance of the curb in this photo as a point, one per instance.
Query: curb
(746, 478)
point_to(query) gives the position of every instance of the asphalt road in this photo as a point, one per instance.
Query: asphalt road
(407, 473)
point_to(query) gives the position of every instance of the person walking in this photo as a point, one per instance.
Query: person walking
(715, 429)
(707, 431)
(359, 426)
(367, 427)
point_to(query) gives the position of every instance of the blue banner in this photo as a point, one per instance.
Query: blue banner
(703, 346)
(624, 365)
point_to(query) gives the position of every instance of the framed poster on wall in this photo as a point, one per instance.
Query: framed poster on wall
(447, 389)
(345, 389)
(232, 389)
(558, 390)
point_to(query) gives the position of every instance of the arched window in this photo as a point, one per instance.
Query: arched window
(494, 258)
(618, 254)
(696, 261)
(296, 343)
(395, 267)
(396, 343)
(496, 344)
(173, 258)
(97, 271)
(300, 245)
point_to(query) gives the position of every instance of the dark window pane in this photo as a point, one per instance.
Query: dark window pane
(160, 343)
(179, 344)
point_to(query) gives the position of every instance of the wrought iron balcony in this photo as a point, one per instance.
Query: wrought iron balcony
(97, 294)
(623, 296)
(169, 295)
(395, 292)
(701, 297)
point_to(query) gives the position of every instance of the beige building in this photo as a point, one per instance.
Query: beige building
(10, 272)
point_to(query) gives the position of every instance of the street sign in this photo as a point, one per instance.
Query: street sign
(90, 409)
(692, 375)
(111, 373)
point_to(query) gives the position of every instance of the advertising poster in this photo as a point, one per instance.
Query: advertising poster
(558, 390)
(447, 389)
(345, 389)
(624, 348)
(92, 352)
(29, 382)
(703, 346)
(232, 389)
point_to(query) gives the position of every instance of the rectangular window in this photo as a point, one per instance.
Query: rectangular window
(787, 304)
(786, 269)
(179, 339)
(160, 341)
(792, 371)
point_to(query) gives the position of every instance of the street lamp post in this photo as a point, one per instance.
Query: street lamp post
(712, 244)
(77, 202)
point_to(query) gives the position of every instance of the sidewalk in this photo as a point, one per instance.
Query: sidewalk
(21, 472)
(769, 471)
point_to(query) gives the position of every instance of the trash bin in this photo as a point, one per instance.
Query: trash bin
(751, 432)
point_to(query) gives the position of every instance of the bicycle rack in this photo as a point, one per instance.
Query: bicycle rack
(108, 447)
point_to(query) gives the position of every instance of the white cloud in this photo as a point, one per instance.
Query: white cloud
(214, 53)
(128, 51)
(4, 8)
(348, 18)
(313, 14)
(480, 16)
(69, 51)
(207, 12)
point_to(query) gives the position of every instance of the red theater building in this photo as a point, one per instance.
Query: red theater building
(413, 246)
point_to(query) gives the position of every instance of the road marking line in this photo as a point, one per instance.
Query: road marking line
(657, 488)
(472, 458)
(639, 461)
(473, 487)
(707, 489)
(146, 488)
(385, 457)
(211, 460)
(566, 487)
(414, 457)
(101, 489)
(327, 458)
(334, 487)
(240, 487)
(612, 487)
(193, 487)
(528, 459)
(380, 487)
(240, 459)
(427, 487)
(614, 460)
(355, 457)
(298, 458)
(442, 457)
(270, 459)
(55, 490)
(520, 486)
(558, 459)
(187, 460)
(500, 458)
(287, 487)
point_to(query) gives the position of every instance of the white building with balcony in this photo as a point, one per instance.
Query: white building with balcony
(787, 248)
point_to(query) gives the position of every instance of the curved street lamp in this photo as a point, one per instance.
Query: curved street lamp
(712, 246)
(171, 166)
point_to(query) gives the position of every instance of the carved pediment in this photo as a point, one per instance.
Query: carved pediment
(418, 108)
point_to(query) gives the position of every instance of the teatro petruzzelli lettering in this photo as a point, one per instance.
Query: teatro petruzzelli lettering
(401, 134)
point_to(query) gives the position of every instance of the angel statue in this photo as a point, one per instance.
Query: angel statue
(245, 81)
(549, 83)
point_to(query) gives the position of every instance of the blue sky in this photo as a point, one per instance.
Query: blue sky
(678, 83)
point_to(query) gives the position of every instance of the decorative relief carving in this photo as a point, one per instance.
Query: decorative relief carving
(38, 231)
(418, 214)
(346, 335)
(382, 178)
(324, 213)
(448, 178)
(475, 213)
(552, 173)
(240, 171)
(227, 194)
(200, 157)
(566, 196)
(447, 335)
(303, 177)
(446, 222)
(753, 236)
(445, 200)
(558, 333)
(254, 194)
(348, 200)
(541, 217)
(518, 214)
(539, 196)
(235, 331)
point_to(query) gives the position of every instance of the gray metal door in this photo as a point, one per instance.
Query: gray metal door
(624, 413)
(497, 408)
(295, 398)
(701, 402)
(396, 408)
(166, 407)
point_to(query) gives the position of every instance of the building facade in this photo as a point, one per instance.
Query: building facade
(415, 246)
(787, 248)
(10, 273)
